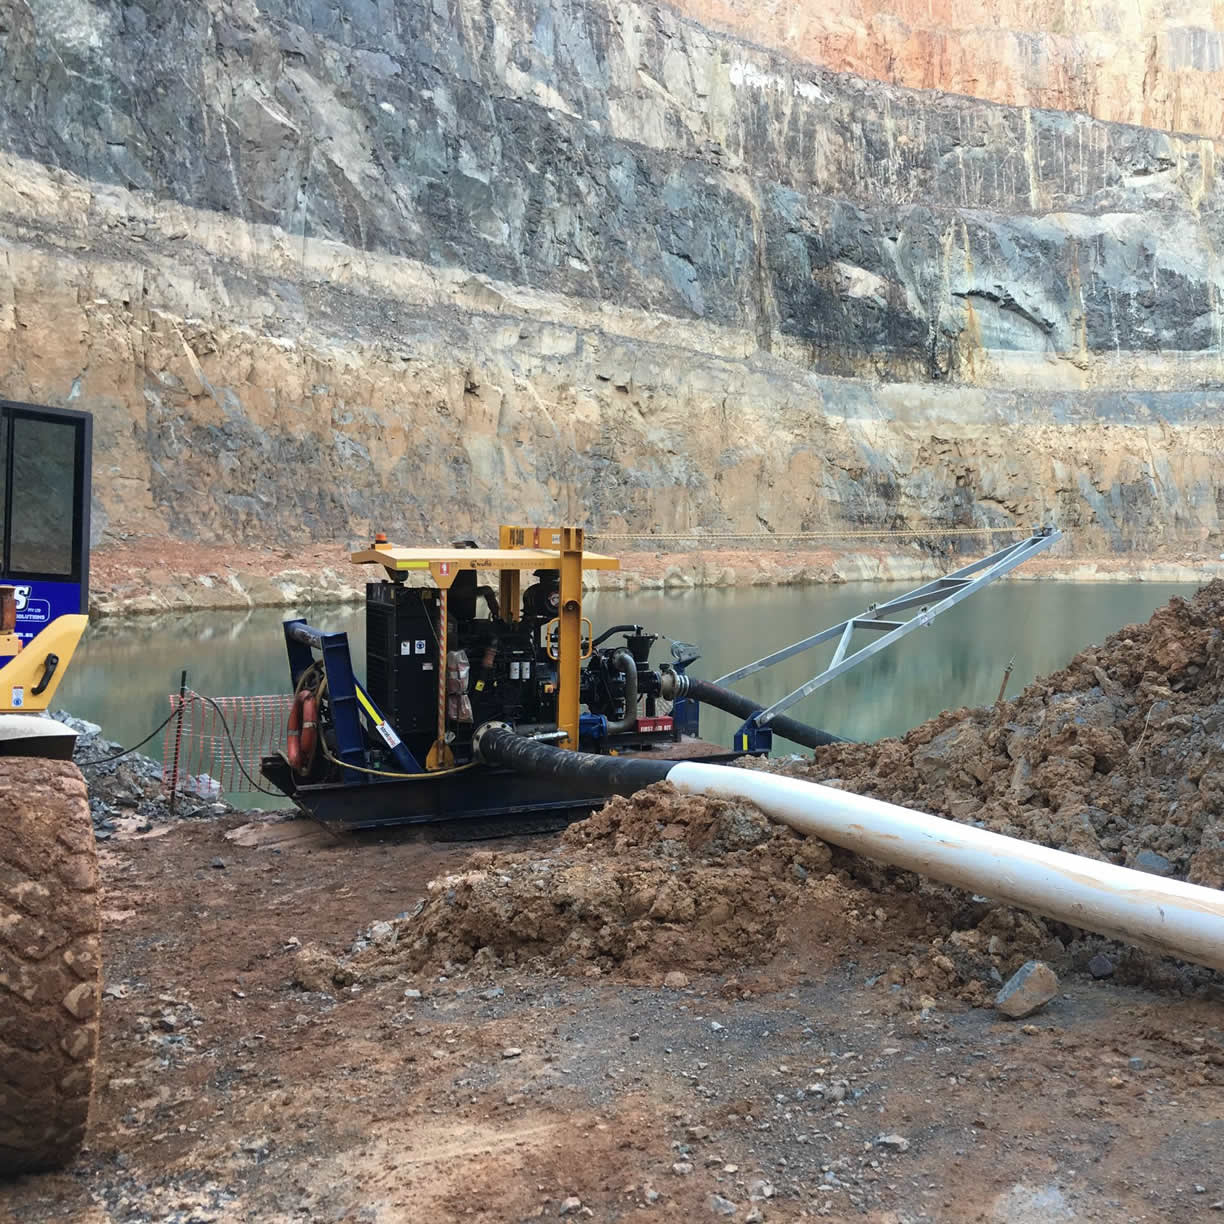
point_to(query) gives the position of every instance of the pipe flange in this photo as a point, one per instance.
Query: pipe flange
(672, 684)
(483, 730)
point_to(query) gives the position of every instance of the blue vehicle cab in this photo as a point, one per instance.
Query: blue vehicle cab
(45, 461)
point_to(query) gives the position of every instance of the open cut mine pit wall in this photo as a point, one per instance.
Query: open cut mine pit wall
(1147, 62)
(319, 268)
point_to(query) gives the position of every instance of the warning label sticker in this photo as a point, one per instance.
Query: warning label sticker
(388, 733)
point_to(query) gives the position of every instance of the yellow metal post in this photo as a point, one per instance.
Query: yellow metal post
(443, 616)
(569, 641)
(511, 582)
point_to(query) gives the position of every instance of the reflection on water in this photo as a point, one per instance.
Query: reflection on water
(125, 669)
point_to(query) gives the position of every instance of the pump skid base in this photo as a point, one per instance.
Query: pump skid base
(483, 794)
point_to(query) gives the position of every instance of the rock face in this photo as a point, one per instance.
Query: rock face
(319, 268)
(1154, 64)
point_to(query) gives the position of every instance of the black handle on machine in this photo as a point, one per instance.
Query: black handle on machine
(50, 663)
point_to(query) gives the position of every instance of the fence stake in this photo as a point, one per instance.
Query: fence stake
(178, 739)
(1006, 677)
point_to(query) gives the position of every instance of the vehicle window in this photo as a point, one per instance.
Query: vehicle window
(44, 476)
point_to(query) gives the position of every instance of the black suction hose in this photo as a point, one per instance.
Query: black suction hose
(744, 707)
(496, 744)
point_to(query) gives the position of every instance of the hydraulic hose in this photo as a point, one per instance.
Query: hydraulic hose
(676, 686)
(1167, 916)
(607, 633)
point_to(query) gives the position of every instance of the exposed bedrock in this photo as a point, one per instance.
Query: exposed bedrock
(322, 266)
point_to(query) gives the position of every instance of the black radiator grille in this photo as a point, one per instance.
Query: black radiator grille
(402, 654)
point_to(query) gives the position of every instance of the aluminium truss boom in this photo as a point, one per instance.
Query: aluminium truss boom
(931, 599)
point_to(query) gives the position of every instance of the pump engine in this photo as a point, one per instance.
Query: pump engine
(504, 669)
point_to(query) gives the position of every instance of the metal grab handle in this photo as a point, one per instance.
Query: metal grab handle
(550, 641)
(50, 663)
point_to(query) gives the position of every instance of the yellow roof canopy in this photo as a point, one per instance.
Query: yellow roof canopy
(477, 558)
(444, 563)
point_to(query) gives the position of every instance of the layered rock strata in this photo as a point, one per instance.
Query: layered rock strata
(320, 268)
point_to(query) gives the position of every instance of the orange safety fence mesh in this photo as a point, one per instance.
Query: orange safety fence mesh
(197, 756)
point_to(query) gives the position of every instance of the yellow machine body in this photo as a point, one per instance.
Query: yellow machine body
(29, 679)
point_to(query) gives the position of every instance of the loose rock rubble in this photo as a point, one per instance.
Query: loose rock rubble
(1118, 756)
(125, 794)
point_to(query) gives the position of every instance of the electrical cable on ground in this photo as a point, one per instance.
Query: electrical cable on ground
(192, 696)
(114, 756)
(263, 790)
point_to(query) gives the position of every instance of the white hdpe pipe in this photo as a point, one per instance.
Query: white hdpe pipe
(1168, 916)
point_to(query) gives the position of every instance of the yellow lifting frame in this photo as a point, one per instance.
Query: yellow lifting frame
(510, 591)
(569, 639)
(520, 548)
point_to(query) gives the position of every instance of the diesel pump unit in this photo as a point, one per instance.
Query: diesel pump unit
(488, 694)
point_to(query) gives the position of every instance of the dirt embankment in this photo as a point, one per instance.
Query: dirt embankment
(1118, 756)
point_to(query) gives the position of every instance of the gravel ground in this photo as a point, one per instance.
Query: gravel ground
(125, 793)
(805, 1086)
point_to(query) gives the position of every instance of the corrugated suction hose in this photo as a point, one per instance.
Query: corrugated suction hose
(677, 686)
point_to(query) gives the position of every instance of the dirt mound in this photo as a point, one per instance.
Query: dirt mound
(1118, 756)
(649, 884)
(662, 882)
(1115, 757)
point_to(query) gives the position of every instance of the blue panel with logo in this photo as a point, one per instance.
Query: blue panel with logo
(39, 603)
